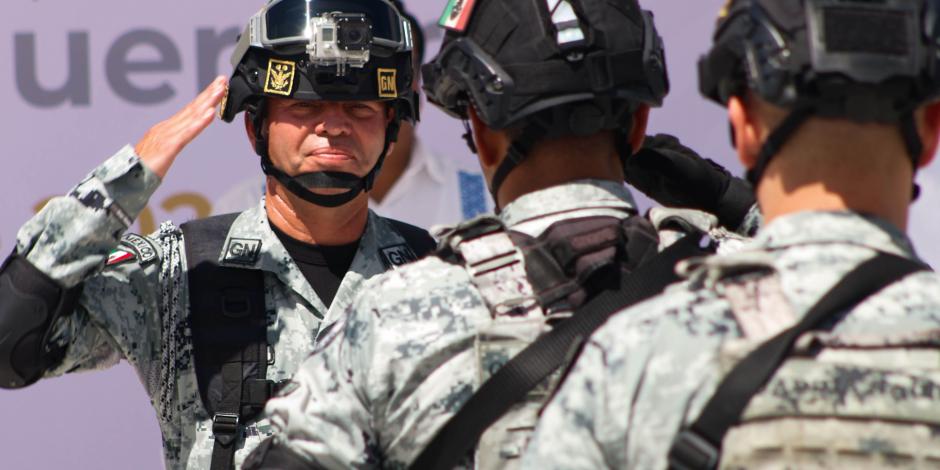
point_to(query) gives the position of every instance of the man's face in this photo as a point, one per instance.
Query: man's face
(313, 136)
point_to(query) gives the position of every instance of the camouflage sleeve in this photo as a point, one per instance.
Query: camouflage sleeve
(566, 436)
(70, 240)
(324, 416)
(752, 222)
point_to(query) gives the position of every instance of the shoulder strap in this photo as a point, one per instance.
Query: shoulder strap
(537, 361)
(229, 335)
(699, 445)
(417, 238)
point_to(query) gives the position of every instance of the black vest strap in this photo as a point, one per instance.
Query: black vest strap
(229, 328)
(229, 331)
(548, 353)
(698, 447)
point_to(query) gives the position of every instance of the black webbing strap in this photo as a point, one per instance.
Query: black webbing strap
(698, 447)
(777, 139)
(518, 151)
(530, 367)
(229, 331)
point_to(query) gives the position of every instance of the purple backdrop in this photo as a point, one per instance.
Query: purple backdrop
(82, 81)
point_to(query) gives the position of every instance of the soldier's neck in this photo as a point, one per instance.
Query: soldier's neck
(884, 192)
(315, 224)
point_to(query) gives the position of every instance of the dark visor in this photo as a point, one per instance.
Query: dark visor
(289, 18)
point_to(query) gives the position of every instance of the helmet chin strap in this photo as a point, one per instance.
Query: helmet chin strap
(301, 185)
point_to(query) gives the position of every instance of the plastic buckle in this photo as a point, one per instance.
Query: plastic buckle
(689, 451)
(224, 424)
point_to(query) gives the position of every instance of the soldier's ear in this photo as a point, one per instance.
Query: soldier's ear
(250, 130)
(638, 132)
(929, 133)
(747, 134)
(487, 142)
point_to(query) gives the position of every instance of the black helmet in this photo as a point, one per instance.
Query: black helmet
(862, 60)
(335, 50)
(547, 67)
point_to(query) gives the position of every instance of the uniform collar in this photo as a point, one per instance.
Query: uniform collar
(533, 212)
(843, 227)
(252, 244)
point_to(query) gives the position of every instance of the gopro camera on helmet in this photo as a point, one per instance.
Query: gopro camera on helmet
(340, 39)
(323, 50)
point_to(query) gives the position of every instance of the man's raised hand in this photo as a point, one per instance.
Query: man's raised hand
(164, 141)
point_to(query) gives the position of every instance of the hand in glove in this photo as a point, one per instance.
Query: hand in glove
(676, 176)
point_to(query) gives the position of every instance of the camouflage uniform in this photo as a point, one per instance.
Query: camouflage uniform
(866, 394)
(420, 340)
(139, 310)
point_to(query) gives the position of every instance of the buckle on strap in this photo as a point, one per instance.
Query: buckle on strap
(224, 424)
(690, 451)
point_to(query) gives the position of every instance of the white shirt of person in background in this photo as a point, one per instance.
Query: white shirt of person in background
(433, 190)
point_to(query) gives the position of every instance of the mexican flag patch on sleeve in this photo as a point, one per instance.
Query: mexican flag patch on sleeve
(119, 256)
(457, 14)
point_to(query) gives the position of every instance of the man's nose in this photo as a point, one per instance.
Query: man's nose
(333, 121)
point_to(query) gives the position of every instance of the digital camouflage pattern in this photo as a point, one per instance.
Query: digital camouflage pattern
(138, 310)
(420, 340)
(864, 395)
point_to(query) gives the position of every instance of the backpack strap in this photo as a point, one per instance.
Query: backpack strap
(698, 446)
(229, 330)
(551, 351)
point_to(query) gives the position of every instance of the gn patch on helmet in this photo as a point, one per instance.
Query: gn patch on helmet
(387, 86)
(280, 79)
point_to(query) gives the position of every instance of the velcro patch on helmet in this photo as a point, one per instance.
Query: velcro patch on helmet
(280, 79)
(856, 30)
(388, 88)
(457, 14)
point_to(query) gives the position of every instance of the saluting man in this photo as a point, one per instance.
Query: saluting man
(217, 314)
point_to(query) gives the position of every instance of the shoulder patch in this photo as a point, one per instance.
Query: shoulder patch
(145, 250)
(397, 255)
(242, 251)
(120, 256)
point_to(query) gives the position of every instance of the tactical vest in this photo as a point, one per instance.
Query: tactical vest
(229, 330)
(534, 288)
(833, 400)
(840, 401)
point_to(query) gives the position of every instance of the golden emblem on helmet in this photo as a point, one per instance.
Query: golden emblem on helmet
(280, 80)
(723, 13)
(387, 83)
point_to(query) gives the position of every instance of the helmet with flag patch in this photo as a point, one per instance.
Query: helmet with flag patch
(547, 68)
